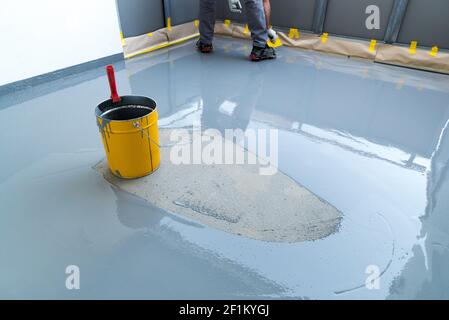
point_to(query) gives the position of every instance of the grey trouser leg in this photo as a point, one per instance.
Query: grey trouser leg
(207, 20)
(256, 22)
(254, 13)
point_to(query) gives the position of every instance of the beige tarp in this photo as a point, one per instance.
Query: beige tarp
(350, 48)
(144, 43)
(159, 39)
(223, 29)
(183, 32)
(422, 59)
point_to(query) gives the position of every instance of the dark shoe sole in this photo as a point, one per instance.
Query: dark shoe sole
(205, 50)
(255, 58)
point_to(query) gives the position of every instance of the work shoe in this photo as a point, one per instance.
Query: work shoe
(204, 48)
(262, 53)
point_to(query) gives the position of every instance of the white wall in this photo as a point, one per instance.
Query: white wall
(39, 36)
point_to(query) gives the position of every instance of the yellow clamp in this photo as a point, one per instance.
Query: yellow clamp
(324, 37)
(372, 45)
(227, 23)
(196, 23)
(169, 24)
(246, 30)
(413, 46)
(433, 52)
(275, 44)
(293, 33)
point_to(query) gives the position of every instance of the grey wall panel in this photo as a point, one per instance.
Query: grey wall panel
(138, 17)
(348, 17)
(292, 13)
(426, 21)
(396, 18)
(183, 11)
(319, 15)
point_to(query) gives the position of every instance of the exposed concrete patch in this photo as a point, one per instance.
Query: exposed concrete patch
(234, 198)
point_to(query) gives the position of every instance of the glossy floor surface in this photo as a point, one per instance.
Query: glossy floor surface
(372, 140)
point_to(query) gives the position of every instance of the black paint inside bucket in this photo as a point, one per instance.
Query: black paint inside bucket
(130, 107)
(126, 113)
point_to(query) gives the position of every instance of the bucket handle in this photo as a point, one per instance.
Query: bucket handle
(137, 125)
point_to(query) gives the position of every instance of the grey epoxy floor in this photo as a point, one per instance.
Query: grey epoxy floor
(372, 140)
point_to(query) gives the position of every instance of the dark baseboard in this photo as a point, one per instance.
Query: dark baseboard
(54, 75)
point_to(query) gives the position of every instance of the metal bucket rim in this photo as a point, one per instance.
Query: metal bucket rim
(130, 100)
(127, 120)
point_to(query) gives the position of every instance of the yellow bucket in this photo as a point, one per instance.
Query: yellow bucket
(130, 135)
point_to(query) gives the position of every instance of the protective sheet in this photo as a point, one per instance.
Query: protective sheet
(134, 46)
(346, 47)
(390, 54)
(183, 32)
(233, 198)
(223, 29)
(240, 32)
(305, 40)
(422, 59)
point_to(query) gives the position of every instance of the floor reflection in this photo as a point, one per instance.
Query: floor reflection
(167, 261)
(394, 115)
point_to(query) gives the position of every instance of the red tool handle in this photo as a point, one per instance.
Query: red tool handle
(112, 85)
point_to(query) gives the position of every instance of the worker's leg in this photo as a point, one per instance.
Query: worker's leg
(256, 22)
(267, 9)
(207, 21)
